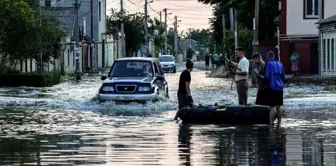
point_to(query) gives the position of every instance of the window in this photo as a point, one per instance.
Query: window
(156, 70)
(99, 11)
(324, 54)
(332, 54)
(311, 9)
(68, 57)
(131, 69)
(166, 59)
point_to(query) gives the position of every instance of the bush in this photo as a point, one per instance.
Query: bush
(30, 79)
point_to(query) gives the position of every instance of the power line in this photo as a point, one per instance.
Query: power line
(194, 17)
(188, 14)
(158, 13)
(134, 3)
(181, 5)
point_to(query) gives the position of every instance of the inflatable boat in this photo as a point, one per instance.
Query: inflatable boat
(225, 114)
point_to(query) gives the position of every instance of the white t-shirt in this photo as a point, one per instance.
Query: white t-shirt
(243, 66)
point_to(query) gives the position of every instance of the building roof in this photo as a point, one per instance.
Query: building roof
(66, 16)
(328, 20)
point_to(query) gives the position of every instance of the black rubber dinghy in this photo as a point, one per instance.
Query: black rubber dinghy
(228, 114)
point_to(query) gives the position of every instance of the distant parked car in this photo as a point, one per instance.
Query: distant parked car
(134, 79)
(168, 63)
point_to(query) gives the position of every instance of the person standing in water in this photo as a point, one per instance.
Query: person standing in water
(183, 93)
(207, 61)
(260, 71)
(275, 76)
(241, 75)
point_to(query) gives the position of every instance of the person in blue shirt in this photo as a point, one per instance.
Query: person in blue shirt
(275, 77)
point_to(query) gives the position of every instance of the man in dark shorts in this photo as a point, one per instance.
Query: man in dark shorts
(207, 61)
(260, 71)
(183, 93)
(275, 76)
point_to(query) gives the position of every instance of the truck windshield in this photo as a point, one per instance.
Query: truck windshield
(166, 59)
(132, 69)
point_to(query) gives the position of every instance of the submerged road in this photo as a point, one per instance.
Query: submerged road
(65, 125)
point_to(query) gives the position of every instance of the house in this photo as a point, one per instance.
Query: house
(328, 46)
(186, 44)
(299, 32)
(97, 46)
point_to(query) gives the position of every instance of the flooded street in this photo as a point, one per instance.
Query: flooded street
(66, 125)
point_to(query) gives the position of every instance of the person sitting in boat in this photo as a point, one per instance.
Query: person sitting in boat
(183, 93)
(262, 85)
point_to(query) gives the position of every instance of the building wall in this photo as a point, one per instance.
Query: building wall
(297, 24)
(328, 53)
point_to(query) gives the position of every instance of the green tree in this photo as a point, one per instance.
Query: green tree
(133, 28)
(154, 24)
(202, 36)
(26, 34)
(245, 37)
(268, 21)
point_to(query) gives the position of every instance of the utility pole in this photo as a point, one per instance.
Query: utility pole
(165, 28)
(320, 39)
(160, 28)
(224, 29)
(235, 28)
(146, 29)
(41, 57)
(175, 35)
(78, 76)
(256, 26)
(91, 30)
(122, 29)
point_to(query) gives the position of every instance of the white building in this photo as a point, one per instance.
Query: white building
(298, 31)
(328, 47)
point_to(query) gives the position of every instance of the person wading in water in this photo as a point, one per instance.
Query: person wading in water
(241, 75)
(275, 76)
(262, 85)
(183, 93)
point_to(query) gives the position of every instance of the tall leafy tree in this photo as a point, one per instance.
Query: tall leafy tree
(133, 27)
(268, 21)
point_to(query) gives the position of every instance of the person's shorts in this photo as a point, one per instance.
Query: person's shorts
(184, 100)
(262, 97)
(275, 97)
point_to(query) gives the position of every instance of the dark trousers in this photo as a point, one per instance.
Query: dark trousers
(184, 100)
(242, 89)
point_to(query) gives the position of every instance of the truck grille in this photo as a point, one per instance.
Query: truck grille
(126, 88)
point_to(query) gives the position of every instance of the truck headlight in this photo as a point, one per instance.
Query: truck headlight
(144, 88)
(108, 88)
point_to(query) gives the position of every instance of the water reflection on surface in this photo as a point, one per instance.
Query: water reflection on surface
(100, 139)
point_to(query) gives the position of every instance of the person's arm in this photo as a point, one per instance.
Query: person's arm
(234, 64)
(187, 83)
(243, 69)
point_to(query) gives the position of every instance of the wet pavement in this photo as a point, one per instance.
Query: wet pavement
(66, 125)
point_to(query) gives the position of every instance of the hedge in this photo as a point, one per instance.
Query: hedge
(30, 79)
